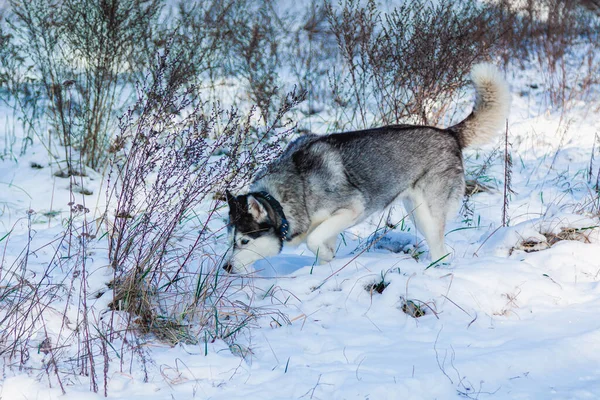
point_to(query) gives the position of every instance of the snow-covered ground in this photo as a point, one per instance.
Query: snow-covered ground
(499, 322)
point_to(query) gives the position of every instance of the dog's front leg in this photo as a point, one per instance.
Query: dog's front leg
(322, 239)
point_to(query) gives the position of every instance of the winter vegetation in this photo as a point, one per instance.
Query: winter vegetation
(125, 121)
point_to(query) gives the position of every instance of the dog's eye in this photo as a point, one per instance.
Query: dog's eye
(244, 241)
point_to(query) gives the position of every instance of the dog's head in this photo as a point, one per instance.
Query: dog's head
(253, 231)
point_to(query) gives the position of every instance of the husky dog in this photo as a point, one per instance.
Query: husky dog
(321, 185)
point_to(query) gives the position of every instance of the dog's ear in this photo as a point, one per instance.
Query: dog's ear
(229, 197)
(234, 205)
(232, 201)
(256, 209)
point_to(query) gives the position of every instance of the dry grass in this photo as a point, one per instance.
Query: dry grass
(412, 308)
(580, 235)
(376, 287)
(531, 245)
(474, 186)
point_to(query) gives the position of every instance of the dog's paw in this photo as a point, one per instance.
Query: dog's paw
(438, 260)
(325, 254)
(325, 260)
(323, 251)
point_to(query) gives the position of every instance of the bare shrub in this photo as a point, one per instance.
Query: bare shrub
(312, 54)
(199, 33)
(354, 29)
(169, 158)
(256, 36)
(408, 64)
(80, 51)
(561, 39)
(17, 90)
(219, 42)
(592, 5)
(30, 299)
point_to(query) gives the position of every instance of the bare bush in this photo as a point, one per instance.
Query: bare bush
(312, 54)
(81, 52)
(560, 38)
(199, 33)
(169, 158)
(17, 90)
(408, 64)
(256, 37)
(30, 299)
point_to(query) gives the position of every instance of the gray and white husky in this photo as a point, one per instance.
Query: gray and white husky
(321, 185)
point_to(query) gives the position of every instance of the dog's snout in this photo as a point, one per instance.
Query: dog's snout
(228, 267)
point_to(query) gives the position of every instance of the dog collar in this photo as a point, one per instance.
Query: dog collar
(284, 228)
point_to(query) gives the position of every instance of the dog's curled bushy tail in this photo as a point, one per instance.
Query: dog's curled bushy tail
(491, 108)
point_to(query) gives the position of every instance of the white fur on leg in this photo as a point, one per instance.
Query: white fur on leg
(410, 208)
(322, 239)
(432, 228)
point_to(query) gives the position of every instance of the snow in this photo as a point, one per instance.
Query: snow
(500, 322)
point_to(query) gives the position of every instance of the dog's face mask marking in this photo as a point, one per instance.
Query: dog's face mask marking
(252, 233)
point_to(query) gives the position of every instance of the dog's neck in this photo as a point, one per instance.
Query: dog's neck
(284, 226)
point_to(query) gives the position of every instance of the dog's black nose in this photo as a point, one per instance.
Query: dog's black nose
(228, 267)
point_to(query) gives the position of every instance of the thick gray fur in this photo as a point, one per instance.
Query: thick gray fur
(326, 184)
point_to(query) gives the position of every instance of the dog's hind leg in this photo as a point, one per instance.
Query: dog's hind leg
(322, 239)
(409, 206)
(429, 225)
(429, 214)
